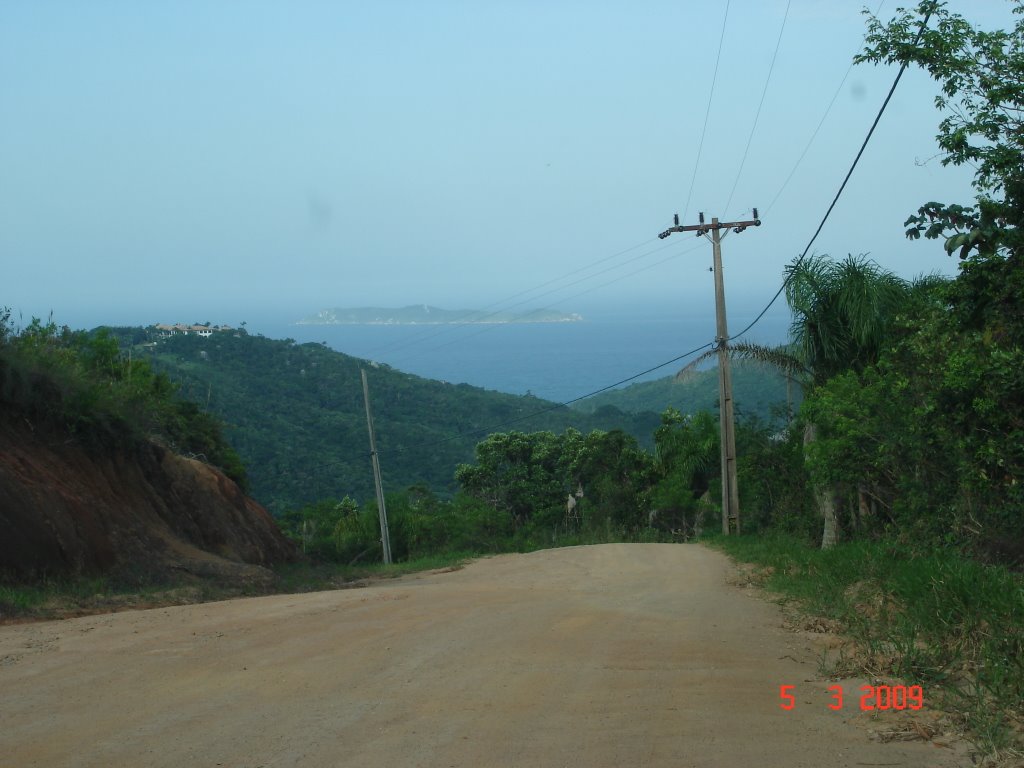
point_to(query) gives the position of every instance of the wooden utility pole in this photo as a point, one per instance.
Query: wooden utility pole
(382, 512)
(726, 415)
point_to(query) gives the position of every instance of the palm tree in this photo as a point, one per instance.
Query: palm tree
(842, 315)
(842, 312)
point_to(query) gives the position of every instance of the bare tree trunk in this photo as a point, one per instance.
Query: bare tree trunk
(864, 505)
(703, 505)
(827, 507)
(824, 497)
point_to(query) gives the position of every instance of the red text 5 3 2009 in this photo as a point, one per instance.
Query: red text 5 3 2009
(872, 697)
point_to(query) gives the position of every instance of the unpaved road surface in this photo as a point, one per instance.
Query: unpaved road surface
(616, 655)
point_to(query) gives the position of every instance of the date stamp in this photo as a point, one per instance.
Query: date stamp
(872, 697)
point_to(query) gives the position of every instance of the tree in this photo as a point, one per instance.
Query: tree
(5, 324)
(616, 475)
(529, 476)
(975, 348)
(686, 462)
(981, 75)
(517, 473)
(842, 312)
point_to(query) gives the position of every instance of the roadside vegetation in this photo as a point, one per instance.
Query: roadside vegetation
(923, 616)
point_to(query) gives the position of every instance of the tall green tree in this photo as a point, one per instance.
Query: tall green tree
(980, 75)
(981, 79)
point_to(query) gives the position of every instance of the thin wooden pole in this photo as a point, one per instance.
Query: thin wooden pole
(382, 512)
(730, 487)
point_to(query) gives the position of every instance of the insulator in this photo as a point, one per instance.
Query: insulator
(677, 219)
(702, 217)
(755, 213)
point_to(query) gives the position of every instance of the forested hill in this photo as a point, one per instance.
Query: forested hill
(295, 415)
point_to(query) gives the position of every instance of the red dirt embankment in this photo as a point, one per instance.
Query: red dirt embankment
(140, 511)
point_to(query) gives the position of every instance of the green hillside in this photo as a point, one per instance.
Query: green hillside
(295, 415)
(759, 390)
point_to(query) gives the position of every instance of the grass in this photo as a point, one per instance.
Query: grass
(17, 600)
(62, 598)
(68, 597)
(315, 576)
(933, 618)
(25, 599)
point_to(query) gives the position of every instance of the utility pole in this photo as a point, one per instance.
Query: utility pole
(726, 415)
(382, 512)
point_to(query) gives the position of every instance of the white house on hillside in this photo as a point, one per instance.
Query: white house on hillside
(184, 330)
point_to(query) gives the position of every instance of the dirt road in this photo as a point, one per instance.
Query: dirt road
(616, 655)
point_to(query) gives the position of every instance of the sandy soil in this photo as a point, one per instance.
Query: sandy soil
(616, 655)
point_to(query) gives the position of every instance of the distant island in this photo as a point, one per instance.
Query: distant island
(422, 314)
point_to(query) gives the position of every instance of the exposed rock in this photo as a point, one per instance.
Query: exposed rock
(141, 512)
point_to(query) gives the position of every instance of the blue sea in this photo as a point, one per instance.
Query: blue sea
(554, 361)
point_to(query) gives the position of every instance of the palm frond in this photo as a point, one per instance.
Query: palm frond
(780, 357)
(687, 371)
(842, 311)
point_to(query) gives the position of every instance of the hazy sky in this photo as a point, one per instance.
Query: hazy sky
(193, 161)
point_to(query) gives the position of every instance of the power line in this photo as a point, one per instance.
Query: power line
(565, 404)
(634, 272)
(814, 134)
(842, 186)
(709, 345)
(707, 111)
(810, 141)
(757, 115)
(707, 114)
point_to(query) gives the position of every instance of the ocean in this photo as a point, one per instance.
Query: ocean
(554, 361)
